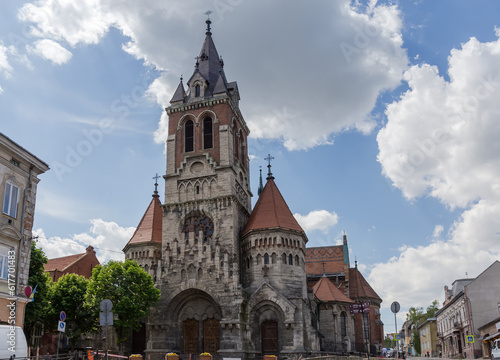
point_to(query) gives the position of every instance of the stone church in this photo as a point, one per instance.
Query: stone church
(238, 282)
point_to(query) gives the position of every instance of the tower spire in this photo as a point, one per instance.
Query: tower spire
(261, 187)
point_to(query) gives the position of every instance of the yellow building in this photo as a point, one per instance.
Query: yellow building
(428, 337)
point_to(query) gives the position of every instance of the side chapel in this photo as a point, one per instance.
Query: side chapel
(238, 282)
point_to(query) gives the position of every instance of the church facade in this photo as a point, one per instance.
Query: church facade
(235, 281)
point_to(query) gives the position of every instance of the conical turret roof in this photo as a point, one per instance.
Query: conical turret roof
(271, 211)
(150, 226)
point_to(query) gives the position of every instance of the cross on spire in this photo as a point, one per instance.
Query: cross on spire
(156, 177)
(208, 22)
(269, 173)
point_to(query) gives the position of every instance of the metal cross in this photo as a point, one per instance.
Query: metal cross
(156, 177)
(269, 158)
(208, 13)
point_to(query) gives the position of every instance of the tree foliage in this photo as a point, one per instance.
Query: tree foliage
(67, 295)
(131, 290)
(416, 316)
(37, 310)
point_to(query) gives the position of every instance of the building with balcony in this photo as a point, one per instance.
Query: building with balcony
(453, 322)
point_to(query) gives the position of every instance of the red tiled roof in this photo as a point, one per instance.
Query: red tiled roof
(329, 257)
(359, 287)
(271, 211)
(150, 226)
(62, 262)
(325, 290)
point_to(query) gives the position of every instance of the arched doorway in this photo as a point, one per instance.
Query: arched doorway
(195, 322)
(269, 334)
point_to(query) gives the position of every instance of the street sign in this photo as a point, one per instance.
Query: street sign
(106, 305)
(62, 316)
(106, 319)
(470, 339)
(395, 307)
(61, 326)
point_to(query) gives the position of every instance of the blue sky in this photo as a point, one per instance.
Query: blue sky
(382, 118)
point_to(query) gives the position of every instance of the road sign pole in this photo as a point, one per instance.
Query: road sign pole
(106, 342)
(395, 335)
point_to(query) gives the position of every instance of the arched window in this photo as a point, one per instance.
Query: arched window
(283, 259)
(290, 259)
(197, 91)
(266, 259)
(297, 260)
(189, 136)
(207, 133)
(343, 324)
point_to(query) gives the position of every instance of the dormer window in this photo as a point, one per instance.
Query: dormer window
(197, 91)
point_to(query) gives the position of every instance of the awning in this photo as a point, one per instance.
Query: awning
(494, 336)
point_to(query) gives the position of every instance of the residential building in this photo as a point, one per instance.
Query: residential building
(489, 333)
(19, 171)
(453, 322)
(427, 332)
(483, 302)
(80, 264)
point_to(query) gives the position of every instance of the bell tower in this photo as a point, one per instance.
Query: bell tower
(207, 204)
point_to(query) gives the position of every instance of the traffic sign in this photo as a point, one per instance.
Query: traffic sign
(62, 316)
(106, 305)
(395, 307)
(470, 339)
(106, 319)
(61, 326)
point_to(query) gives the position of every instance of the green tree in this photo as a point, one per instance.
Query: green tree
(431, 309)
(37, 310)
(131, 290)
(67, 295)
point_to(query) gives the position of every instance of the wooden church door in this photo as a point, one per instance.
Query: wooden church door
(191, 331)
(211, 335)
(269, 333)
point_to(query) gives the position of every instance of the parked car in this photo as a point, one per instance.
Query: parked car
(495, 350)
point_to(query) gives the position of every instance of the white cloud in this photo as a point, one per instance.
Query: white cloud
(354, 55)
(102, 235)
(441, 140)
(5, 67)
(317, 220)
(75, 22)
(50, 50)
